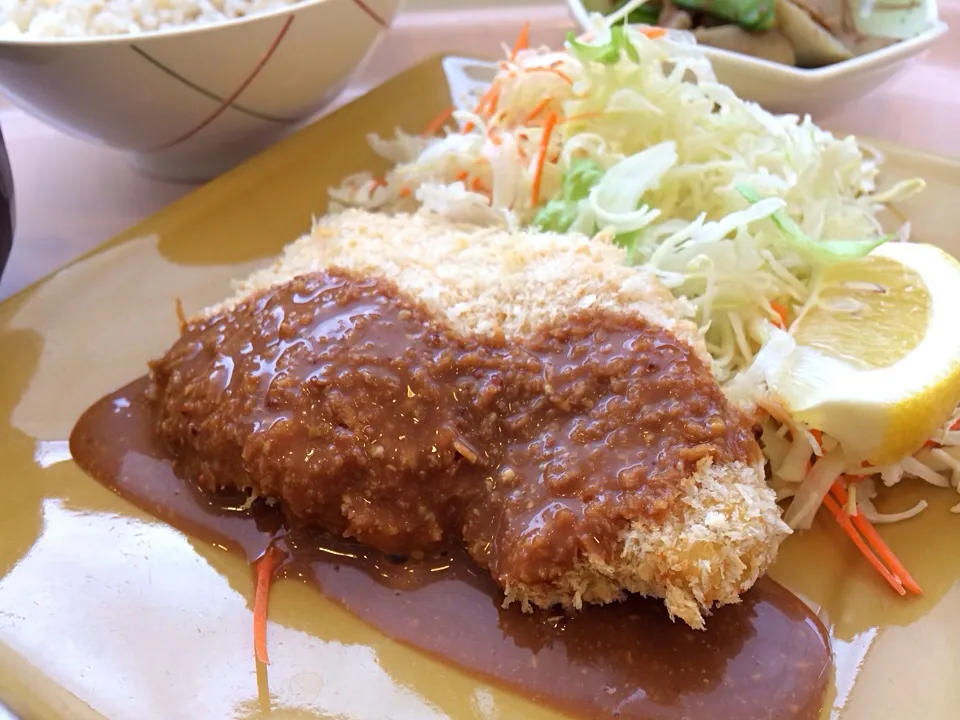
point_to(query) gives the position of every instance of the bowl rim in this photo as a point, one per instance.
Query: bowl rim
(885, 56)
(173, 32)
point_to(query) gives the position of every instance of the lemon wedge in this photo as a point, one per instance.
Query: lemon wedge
(877, 362)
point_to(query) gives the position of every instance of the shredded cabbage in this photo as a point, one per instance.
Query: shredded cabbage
(733, 208)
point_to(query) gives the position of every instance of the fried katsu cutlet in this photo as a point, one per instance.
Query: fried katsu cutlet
(408, 382)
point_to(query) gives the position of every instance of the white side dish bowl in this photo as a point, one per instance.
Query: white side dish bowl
(785, 89)
(189, 103)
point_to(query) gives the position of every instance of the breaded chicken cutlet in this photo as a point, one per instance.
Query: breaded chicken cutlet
(408, 382)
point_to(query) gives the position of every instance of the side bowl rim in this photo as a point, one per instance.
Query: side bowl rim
(190, 30)
(892, 54)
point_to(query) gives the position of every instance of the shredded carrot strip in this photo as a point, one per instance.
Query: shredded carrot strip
(492, 134)
(845, 523)
(461, 176)
(523, 41)
(264, 569)
(478, 186)
(537, 109)
(653, 32)
(405, 192)
(541, 158)
(488, 101)
(869, 533)
(438, 122)
(782, 312)
(493, 97)
(559, 73)
(873, 539)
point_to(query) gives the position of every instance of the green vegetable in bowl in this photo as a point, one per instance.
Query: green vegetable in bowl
(647, 14)
(750, 14)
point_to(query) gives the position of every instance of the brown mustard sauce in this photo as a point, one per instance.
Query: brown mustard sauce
(369, 419)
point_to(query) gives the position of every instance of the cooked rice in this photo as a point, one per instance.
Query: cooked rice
(80, 18)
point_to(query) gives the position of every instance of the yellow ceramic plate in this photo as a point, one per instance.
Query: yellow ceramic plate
(106, 612)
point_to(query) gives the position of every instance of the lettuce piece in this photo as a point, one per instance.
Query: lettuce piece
(579, 180)
(630, 242)
(824, 251)
(559, 215)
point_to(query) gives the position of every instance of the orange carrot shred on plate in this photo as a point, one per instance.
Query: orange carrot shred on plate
(847, 526)
(523, 41)
(462, 176)
(487, 102)
(653, 32)
(405, 192)
(559, 73)
(492, 135)
(782, 313)
(438, 122)
(541, 158)
(478, 187)
(264, 570)
(537, 109)
(873, 539)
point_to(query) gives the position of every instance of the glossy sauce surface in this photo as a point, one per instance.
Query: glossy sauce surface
(763, 659)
